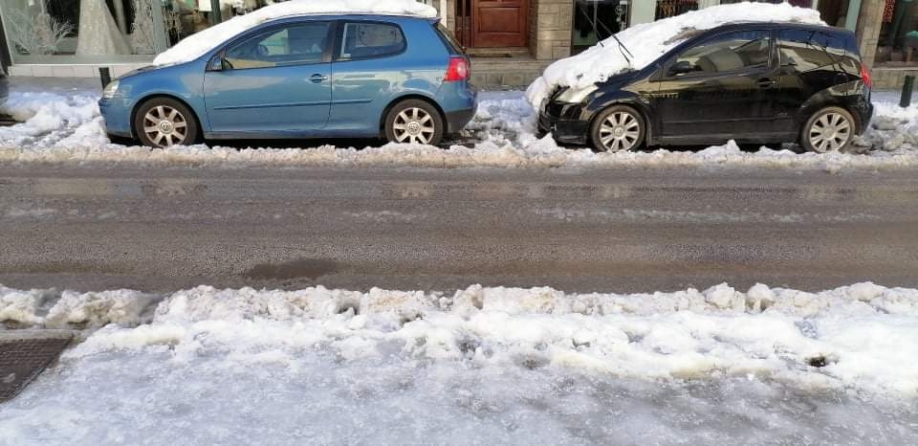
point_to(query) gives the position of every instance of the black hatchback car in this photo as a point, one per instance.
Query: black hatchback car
(751, 82)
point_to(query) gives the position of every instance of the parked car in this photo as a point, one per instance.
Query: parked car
(751, 82)
(401, 77)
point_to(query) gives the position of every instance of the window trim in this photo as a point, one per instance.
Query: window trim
(769, 33)
(339, 40)
(268, 30)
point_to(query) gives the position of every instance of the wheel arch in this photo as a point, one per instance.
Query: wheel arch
(407, 97)
(150, 97)
(633, 103)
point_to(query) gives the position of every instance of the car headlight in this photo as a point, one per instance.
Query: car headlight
(110, 90)
(576, 95)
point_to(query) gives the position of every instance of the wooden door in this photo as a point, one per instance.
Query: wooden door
(500, 23)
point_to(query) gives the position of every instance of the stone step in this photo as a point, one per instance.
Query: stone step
(515, 72)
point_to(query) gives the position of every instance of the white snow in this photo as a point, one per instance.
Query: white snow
(197, 44)
(509, 365)
(64, 126)
(648, 41)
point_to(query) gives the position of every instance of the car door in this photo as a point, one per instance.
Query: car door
(275, 82)
(723, 87)
(366, 72)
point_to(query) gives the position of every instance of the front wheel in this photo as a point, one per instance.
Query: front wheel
(828, 130)
(617, 128)
(165, 122)
(414, 122)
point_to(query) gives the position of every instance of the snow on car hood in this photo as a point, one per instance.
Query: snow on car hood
(198, 44)
(649, 41)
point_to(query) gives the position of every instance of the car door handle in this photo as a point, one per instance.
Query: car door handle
(766, 83)
(317, 78)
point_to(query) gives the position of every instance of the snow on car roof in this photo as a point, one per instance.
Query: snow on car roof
(198, 44)
(649, 41)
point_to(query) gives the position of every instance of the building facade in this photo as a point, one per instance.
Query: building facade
(511, 41)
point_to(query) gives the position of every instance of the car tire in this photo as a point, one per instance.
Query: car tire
(831, 129)
(165, 122)
(414, 122)
(618, 128)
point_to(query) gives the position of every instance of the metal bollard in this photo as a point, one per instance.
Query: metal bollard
(105, 75)
(907, 89)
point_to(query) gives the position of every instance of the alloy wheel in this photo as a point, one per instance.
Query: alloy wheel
(414, 125)
(165, 126)
(619, 131)
(830, 132)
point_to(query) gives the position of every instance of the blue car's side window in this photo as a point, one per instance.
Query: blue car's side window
(290, 45)
(370, 40)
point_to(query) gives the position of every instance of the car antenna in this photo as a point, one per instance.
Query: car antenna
(621, 46)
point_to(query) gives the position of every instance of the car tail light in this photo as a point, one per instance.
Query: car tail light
(865, 76)
(458, 69)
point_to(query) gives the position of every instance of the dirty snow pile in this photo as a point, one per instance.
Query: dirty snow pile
(648, 41)
(493, 365)
(64, 126)
(197, 44)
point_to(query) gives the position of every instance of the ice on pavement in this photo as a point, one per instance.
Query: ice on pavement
(199, 43)
(498, 365)
(648, 41)
(65, 127)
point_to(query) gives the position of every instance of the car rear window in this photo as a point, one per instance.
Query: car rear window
(811, 49)
(371, 40)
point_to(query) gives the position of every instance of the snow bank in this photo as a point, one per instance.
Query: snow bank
(648, 41)
(196, 45)
(865, 334)
(480, 365)
(65, 127)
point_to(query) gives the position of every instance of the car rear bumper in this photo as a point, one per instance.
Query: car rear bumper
(864, 111)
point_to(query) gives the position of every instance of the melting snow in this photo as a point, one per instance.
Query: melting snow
(481, 364)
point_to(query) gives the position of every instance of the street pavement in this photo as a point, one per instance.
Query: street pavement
(621, 230)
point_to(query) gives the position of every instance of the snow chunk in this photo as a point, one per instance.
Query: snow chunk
(648, 41)
(196, 45)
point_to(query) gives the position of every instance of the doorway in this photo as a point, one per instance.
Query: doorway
(492, 23)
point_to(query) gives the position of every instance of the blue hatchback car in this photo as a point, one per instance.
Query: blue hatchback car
(400, 77)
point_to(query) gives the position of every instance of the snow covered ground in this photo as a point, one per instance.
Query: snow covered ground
(63, 126)
(478, 366)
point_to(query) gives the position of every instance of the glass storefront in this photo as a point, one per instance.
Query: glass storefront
(596, 20)
(898, 44)
(107, 31)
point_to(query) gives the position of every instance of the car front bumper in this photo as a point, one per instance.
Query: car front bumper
(116, 114)
(557, 119)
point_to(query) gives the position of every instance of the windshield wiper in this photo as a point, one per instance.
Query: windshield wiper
(621, 46)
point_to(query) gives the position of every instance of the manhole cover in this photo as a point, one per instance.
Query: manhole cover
(23, 356)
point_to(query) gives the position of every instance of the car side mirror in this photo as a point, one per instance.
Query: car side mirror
(216, 64)
(681, 67)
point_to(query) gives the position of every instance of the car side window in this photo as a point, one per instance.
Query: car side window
(809, 49)
(297, 44)
(727, 52)
(370, 40)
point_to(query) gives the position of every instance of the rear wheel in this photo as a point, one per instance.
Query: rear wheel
(828, 130)
(414, 122)
(617, 128)
(165, 122)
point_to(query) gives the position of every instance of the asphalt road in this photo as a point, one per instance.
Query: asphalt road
(625, 230)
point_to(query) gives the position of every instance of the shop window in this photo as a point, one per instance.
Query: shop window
(672, 8)
(596, 20)
(898, 44)
(105, 31)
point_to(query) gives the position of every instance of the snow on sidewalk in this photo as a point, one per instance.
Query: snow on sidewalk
(494, 365)
(65, 127)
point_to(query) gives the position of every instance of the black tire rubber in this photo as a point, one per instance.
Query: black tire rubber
(439, 126)
(595, 139)
(193, 135)
(804, 140)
